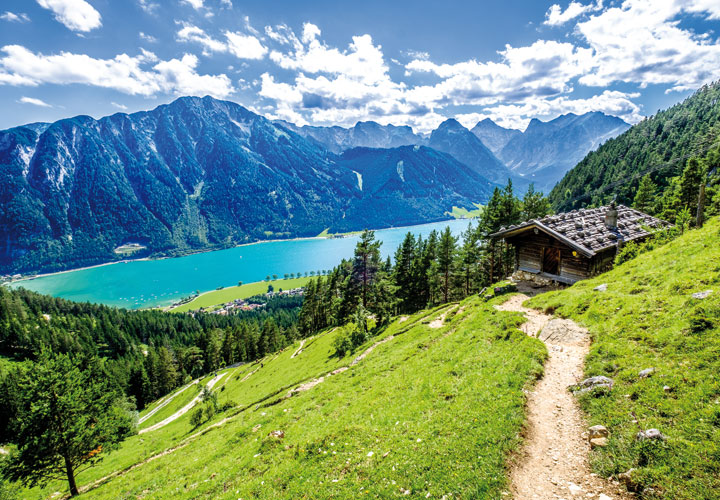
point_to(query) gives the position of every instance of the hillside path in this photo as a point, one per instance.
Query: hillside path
(553, 461)
(182, 411)
(165, 401)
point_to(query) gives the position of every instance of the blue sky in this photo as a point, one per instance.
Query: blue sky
(336, 62)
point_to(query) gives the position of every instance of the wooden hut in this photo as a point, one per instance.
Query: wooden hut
(571, 246)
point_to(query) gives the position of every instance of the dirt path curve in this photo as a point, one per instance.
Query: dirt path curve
(299, 349)
(165, 402)
(182, 411)
(553, 462)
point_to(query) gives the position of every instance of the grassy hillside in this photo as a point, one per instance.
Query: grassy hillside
(231, 293)
(434, 408)
(648, 318)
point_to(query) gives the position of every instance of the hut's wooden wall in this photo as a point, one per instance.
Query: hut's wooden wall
(529, 251)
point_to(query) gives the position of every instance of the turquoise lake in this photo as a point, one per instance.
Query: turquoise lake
(151, 283)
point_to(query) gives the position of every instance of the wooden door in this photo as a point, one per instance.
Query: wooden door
(551, 261)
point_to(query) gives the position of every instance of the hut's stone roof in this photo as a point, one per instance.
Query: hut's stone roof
(585, 229)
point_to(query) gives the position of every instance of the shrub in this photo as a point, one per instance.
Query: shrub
(197, 417)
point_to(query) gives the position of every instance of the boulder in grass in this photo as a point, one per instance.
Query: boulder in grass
(598, 431)
(593, 383)
(651, 435)
(626, 478)
(277, 434)
(646, 372)
(702, 295)
(601, 288)
(599, 442)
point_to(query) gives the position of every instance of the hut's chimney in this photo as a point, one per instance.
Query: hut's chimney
(611, 216)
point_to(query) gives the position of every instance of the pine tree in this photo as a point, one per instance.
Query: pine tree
(228, 353)
(166, 370)
(445, 260)
(534, 204)
(139, 386)
(645, 196)
(68, 415)
(403, 272)
(692, 176)
(365, 266)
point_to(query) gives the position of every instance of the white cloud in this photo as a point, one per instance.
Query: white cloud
(240, 45)
(544, 68)
(34, 102)
(76, 15)
(642, 42)
(147, 38)
(190, 33)
(180, 77)
(362, 60)
(245, 46)
(119, 106)
(195, 4)
(555, 16)
(15, 18)
(144, 74)
(637, 42)
(148, 6)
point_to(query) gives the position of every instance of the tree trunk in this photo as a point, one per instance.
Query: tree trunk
(700, 216)
(71, 478)
(492, 262)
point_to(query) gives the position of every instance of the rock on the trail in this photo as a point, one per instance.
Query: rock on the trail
(592, 383)
(603, 496)
(599, 442)
(627, 479)
(646, 372)
(651, 434)
(702, 295)
(601, 288)
(598, 431)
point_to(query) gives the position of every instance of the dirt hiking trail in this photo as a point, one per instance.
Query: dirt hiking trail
(182, 411)
(553, 461)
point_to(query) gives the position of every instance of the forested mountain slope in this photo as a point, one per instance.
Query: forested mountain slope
(401, 184)
(659, 145)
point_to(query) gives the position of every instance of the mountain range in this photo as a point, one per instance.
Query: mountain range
(201, 173)
(545, 151)
(541, 154)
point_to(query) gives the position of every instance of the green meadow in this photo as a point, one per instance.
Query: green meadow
(648, 318)
(464, 213)
(228, 294)
(430, 411)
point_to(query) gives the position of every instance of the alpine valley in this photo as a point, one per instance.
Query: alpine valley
(201, 173)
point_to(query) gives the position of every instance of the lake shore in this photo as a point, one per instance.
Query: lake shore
(207, 250)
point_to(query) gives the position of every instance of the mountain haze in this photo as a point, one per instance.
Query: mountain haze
(364, 134)
(452, 138)
(493, 135)
(545, 151)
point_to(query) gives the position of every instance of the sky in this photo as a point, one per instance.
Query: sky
(337, 62)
